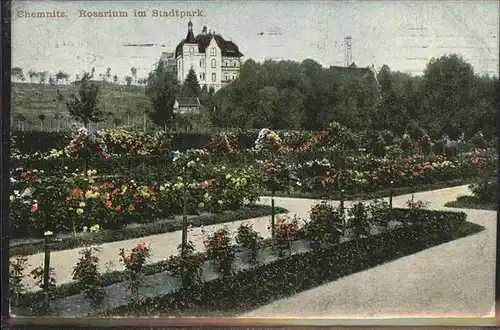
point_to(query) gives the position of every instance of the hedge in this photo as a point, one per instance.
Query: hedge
(250, 288)
(148, 229)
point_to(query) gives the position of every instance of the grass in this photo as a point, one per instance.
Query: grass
(385, 192)
(33, 99)
(472, 202)
(143, 230)
(243, 294)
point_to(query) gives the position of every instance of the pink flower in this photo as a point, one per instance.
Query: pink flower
(34, 207)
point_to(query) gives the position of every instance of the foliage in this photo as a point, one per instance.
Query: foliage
(187, 261)
(486, 190)
(325, 225)
(161, 88)
(84, 106)
(219, 249)
(86, 146)
(134, 264)
(86, 272)
(358, 220)
(260, 285)
(191, 86)
(16, 277)
(249, 239)
(380, 212)
(286, 230)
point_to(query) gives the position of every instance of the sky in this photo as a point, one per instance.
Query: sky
(402, 34)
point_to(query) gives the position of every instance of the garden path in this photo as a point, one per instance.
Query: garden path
(165, 245)
(455, 279)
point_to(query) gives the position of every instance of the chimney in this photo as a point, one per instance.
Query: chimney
(204, 30)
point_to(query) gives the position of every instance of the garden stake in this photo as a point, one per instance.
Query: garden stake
(342, 212)
(272, 214)
(46, 270)
(390, 194)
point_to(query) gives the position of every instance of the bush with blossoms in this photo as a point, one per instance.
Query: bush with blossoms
(268, 141)
(86, 145)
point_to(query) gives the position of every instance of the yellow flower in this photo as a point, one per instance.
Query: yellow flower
(124, 188)
(205, 196)
(82, 204)
(79, 211)
(228, 176)
(85, 228)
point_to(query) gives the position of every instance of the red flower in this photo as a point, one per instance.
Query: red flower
(131, 207)
(118, 208)
(107, 203)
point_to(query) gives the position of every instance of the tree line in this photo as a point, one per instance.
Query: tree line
(43, 77)
(448, 99)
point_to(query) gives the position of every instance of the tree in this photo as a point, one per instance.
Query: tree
(32, 74)
(84, 105)
(61, 75)
(108, 73)
(115, 78)
(191, 86)
(42, 76)
(446, 90)
(133, 71)
(128, 79)
(42, 119)
(51, 81)
(17, 72)
(162, 88)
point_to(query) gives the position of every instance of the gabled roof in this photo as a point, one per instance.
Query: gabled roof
(228, 48)
(188, 101)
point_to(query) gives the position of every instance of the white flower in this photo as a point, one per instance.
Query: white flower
(48, 233)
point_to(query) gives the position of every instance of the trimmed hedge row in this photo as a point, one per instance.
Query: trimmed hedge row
(251, 288)
(148, 229)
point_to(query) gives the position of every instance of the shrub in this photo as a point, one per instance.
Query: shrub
(380, 212)
(249, 239)
(16, 286)
(325, 225)
(220, 251)
(134, 264)
(86, 273)
(286, 229)
(486, 190)
(358, 220)
(189, 262)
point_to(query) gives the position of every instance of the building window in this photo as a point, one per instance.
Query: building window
(214, 77)
(213, 63)
(213, 52)
(234, 63)
(226, 63)
(202, 63)
(202, 76)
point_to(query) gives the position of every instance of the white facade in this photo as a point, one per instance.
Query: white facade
(211, 67)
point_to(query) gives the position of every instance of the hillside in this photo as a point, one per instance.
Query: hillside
(126, 103)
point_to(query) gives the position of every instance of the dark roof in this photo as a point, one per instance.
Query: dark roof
(188, 101)
(349, 72)
(228, 48)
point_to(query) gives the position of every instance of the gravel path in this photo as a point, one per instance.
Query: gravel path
(164, 245)
(455, 279)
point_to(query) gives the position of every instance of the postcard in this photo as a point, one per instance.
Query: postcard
(315, 162)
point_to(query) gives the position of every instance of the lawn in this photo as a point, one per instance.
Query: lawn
(472, 202)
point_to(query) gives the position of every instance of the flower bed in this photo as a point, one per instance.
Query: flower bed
(271, 275)
(71, 201)
(248, 288)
